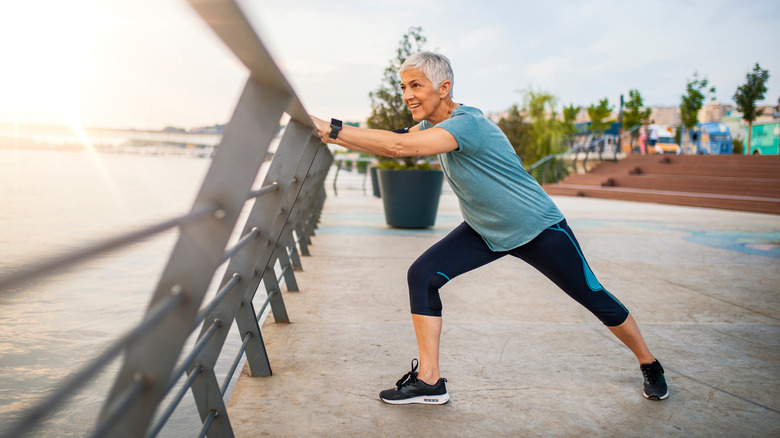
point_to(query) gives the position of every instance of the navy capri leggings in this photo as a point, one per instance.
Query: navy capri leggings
(555, 253)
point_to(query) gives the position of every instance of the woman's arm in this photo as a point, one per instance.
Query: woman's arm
(389, 144)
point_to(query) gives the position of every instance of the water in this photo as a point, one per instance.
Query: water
(54, 201)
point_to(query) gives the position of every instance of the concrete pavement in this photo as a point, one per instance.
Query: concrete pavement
(521, 357)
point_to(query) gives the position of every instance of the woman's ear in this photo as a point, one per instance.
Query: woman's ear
(444, 89)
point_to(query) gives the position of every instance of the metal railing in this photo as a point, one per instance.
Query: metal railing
(555, 167)
(284, 215)
(341, 161)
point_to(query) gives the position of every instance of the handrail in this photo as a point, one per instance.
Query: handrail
(631, 130)
(29, 272)
(563, 163)
(71, 383)
(283, 217)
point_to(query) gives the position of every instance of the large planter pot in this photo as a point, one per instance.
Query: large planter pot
(411, 197)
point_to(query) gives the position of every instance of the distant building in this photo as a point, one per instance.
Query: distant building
(714, 112)
(666, 115)
(769, 113)
(734, 121)
(214, 129)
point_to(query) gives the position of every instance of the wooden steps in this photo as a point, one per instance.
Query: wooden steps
(731, 182)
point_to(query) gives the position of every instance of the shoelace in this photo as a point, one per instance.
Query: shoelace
(651, 373)
(409, 378)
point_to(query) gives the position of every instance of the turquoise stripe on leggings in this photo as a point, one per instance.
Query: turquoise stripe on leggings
(443, 275)
(590, 277)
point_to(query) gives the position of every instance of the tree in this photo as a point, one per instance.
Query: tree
(514, 127)
(569, 116)
(693, 100)
(748, 94)
(388, 110)
(635, 113)
(534, 130)
(598, 114)
(544, 133)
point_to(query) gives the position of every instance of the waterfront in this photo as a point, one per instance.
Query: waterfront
(199, 143)
(55, 201)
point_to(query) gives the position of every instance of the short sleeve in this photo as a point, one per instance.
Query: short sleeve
(464, 128)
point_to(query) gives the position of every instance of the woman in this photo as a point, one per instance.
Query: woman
(518, 219)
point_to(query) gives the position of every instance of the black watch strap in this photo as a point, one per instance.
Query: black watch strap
(335, 127)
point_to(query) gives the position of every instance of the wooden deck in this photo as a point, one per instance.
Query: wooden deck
(730, 182)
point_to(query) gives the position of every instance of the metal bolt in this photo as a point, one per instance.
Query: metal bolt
(176, 289)
(220, 214)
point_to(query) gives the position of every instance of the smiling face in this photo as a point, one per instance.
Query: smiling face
(426, 101)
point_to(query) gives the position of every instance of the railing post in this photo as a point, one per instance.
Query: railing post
(211, 401)
(295, 258)
(307, 213)
(302, 238)
(196, 256)
(269, 215)
(287, 266)
(275, 292)
(256, 356)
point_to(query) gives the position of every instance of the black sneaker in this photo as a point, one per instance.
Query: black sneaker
(655, 383)
(410, 390)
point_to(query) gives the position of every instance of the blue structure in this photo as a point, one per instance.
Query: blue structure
(713, 138)
(584, 128)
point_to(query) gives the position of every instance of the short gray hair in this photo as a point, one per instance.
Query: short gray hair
(435, 67)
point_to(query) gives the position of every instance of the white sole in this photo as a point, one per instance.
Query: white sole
(423, 400)
(663, 397)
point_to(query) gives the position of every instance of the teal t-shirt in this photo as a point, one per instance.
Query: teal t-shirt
(498, 198)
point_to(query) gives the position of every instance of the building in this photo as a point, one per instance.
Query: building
(666, 115)
(714, 111)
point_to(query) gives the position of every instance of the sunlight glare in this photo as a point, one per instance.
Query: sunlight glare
(49, 43)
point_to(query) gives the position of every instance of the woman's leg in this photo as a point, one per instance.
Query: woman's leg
(557, 254)
(428, 332)
(628, 333)
(460, 251)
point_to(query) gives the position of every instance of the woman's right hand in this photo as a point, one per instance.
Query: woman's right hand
(323, 128)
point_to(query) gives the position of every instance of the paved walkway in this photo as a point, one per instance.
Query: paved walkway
(521, 358)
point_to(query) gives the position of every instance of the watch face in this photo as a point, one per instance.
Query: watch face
(335, 122)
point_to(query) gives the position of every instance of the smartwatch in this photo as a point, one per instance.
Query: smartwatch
(335, 127)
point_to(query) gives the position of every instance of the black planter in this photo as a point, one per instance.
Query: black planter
(411, 197)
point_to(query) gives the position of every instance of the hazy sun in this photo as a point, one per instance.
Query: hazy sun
(45, 47)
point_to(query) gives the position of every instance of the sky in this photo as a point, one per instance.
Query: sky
(148, 64)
